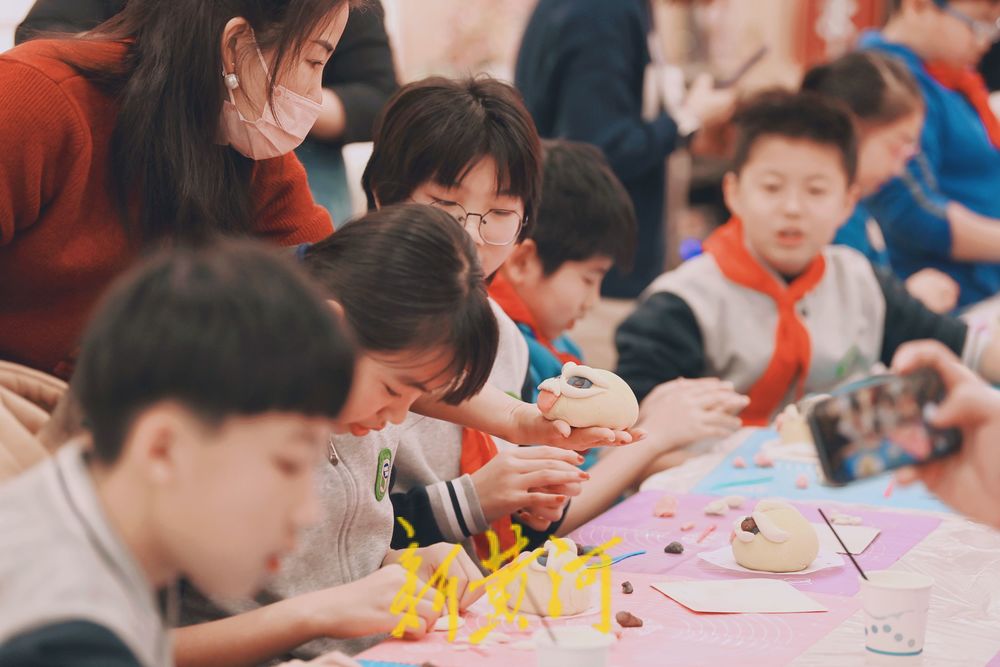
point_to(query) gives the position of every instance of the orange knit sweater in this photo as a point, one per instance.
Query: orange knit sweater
(61, 237)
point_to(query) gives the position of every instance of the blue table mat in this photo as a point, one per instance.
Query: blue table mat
(779, 481)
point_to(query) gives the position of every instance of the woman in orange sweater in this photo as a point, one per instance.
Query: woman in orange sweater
(171, 123)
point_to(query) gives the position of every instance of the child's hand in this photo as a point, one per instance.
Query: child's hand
(515, 479)
(462, 568)
(531, 427)
(936, 290)
(362, 607)
(683, 411)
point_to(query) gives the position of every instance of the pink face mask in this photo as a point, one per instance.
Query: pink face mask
(281, 128)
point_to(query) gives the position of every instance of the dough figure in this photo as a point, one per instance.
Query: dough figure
(583, 397)
(794, 428)
(774, 538)
(542, 580)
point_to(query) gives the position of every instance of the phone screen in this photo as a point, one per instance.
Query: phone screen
(879, 424)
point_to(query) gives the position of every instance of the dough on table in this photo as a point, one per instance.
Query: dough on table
(583, 397)
(541, 584)
(774, 538)
(794, 428)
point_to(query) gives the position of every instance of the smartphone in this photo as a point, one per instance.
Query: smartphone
(878, 424)
(755, 58)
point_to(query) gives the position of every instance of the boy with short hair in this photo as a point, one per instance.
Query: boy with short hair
(771, 306)
(585, 225)
(208, 380)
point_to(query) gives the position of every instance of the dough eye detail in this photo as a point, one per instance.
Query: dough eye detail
(579, 382)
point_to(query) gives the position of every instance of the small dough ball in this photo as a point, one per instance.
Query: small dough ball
(775, 538)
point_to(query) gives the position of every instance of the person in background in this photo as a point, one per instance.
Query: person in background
(771, 306)
(172, 123)
(943, 212)
(585, 225)
(889, 111)
(357, 81)
(209, 380)
(581, 67)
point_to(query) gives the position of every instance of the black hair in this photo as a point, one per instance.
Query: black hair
(171, 178)
(585, 210)
(437, 129)
(408, 279)
(877, 88)
(805, 116)
(230, 329)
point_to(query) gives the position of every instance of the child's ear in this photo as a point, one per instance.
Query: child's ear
(523, 263)
(154, 440)
(730, 191)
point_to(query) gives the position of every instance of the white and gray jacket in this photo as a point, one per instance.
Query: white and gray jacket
(694, 322)
(69, 586)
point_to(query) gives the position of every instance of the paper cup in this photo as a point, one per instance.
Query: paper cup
(895, 611)
(577, 646)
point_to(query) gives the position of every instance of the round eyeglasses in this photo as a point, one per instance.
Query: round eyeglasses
(498, 226)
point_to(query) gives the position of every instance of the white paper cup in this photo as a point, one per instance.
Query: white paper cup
(577, 646)
(895, 608)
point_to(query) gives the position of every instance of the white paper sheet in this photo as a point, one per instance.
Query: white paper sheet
(724, 558)
(741, 596)
(857, 538)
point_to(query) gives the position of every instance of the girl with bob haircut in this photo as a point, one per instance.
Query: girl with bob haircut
(412, 296)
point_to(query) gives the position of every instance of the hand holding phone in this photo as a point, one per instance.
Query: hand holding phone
(880, 424)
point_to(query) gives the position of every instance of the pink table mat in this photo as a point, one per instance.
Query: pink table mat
(634, 522)
(688, 638)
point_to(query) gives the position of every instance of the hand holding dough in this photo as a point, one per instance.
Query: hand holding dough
(584, 397)
(775, 538)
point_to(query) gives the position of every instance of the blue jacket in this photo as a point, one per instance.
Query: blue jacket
(854, 233)
(957, 163)
(542, 364)
(580, 68)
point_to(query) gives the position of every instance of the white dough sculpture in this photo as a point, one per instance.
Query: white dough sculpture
(774, 538)
(794, 428)
(551, 579)
(583, 397)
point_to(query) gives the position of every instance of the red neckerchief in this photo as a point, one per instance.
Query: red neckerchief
(971, 86)
(504, 294)
(792, 346)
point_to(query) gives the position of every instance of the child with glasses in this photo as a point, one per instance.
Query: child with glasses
(585, 226)
(469, 147)
(942, 212)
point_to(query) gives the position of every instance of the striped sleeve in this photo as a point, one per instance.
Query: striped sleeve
(447, 511)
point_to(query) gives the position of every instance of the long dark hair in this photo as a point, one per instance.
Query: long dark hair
(437, 129)
(170, 176)
(408, 279)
